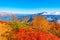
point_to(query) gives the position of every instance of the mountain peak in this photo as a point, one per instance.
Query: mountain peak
(50, 13)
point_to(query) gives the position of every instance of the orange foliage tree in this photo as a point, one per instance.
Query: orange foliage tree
(41, 23)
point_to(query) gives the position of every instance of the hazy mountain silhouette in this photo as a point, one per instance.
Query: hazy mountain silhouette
(8, 16)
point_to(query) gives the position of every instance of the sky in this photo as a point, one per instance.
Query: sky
(29, 6)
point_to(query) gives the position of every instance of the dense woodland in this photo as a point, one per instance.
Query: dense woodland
(38, 29)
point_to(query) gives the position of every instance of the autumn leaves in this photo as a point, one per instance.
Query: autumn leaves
(38, 29)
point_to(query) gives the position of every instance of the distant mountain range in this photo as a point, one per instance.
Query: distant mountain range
(49, 16)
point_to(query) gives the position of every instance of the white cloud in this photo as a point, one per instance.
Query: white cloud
(57, 13)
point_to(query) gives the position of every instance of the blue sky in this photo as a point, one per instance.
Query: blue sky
(29, 6)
